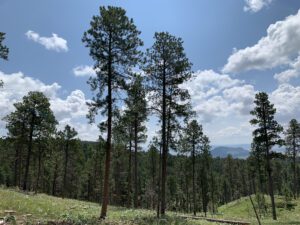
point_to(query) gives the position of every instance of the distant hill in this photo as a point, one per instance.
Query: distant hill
(235, 152)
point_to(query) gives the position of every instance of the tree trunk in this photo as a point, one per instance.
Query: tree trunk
(158, 183)
(29, 152)
(54, 179)
(109, 137)
(271, 190)
(164, 147)
(39, 170)
(193, 175)
(135, 163)
(66, 168)
(129, 173)
(295, 168)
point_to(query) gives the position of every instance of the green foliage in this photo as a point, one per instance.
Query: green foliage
(3, 49)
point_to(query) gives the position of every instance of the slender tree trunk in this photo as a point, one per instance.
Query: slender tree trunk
(153, 163)
(29, 152)
(158, 183)
(66, 168)
(54, 179)
(295, 167)
(271, 190)
(193, 175)
(129, 173)
(269, 171)
(39, 170)
(164, 147)
(17, 157)
(135, 163)
(109, 137)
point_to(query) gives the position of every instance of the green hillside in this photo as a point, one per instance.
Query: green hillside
(31, 209)
(242, 209)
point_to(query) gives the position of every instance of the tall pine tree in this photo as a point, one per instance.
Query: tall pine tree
(113, 40)
(267, 134)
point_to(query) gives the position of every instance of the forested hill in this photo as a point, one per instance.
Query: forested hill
(235, 152)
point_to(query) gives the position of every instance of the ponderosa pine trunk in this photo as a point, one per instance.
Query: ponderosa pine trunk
(66, 168)
(129, 202)
(164, 147)
(135, 163)
(29, 152)
(39, 170)
(269, 169)
(193, 177)
(109, 134)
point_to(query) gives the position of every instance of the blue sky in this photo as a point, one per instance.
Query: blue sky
(223, 39)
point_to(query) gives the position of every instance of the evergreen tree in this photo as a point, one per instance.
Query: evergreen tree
(113, 42)
(3, 49)
(32, 118)
(267, 134)
(205, 175)
(292, 141)
(136, 112)
(167, 67)
(193, 135)
(67, 138)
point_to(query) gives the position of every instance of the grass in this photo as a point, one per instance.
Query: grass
(41, 208)
(242, 209)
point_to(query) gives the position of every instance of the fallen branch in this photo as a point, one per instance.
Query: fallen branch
(216, 220)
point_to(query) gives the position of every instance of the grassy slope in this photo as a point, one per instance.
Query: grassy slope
(242, 209)
(44, 208)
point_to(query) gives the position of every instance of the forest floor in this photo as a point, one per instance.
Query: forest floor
(47, 210)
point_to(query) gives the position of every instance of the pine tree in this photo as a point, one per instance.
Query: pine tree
(192, 138)
(32, 118)
(3, 49)
(67, 137)
(267, 134)
(136, 112)
(167, 67)
(292, 141)
(113, 42)
(205, 175)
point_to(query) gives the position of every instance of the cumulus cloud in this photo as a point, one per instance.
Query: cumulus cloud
(293, 72)
(256, 5)
(279, 47)
(286, 99)
(218, 95)
(70, 110)
(83, 71)
(55, 42)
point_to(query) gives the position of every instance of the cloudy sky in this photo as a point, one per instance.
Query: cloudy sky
(237, 47)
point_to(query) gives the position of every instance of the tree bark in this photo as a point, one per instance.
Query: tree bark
(66, 168)
(193, 175)
(129, 173)
(109, 135)
(29, 152)
(164, 147)
(135, 163)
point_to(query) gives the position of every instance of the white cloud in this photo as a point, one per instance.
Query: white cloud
(293, 72)
(256, 5)
(218, 95)
(286, 99)
(55, 42)
(223, 105)
(84, 70)
(71, 110)
(279, 47)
